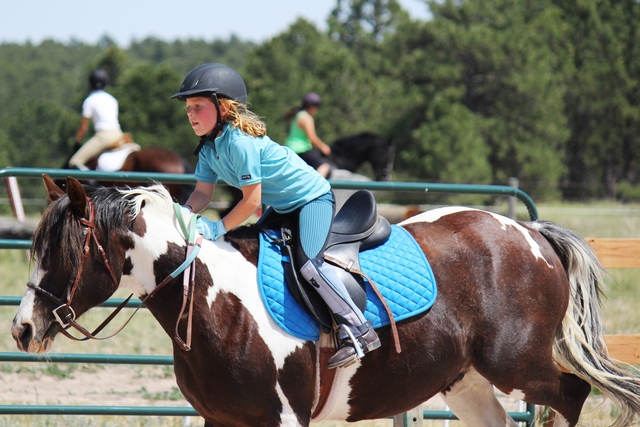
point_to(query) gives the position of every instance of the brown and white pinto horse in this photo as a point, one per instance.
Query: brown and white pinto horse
(517, 308)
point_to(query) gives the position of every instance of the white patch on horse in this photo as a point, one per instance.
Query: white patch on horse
(435, 214)
(155, 242)
(516, 394)
(560, 421)
(232, 273)
(288, 416)
(147, 249)
(535, 248)
(25, 311)
(474, 402)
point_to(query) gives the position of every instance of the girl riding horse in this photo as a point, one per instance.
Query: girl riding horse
(234, 147)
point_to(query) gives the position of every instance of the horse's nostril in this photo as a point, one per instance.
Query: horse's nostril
(23, 334)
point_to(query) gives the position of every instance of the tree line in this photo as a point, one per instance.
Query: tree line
(547, 91)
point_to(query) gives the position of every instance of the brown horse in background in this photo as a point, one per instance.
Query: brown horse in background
(146, 159)
(161, 160)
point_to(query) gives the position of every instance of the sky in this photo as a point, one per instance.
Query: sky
(127, 20)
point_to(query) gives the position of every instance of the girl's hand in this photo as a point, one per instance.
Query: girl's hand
(209, 229)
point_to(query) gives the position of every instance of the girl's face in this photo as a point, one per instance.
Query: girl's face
(202, 114)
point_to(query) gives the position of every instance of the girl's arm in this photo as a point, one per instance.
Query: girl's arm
(201, 196)
(251, 200)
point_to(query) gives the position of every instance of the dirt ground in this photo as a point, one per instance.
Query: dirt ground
(122, 385)
(126, 385)
(119, 385)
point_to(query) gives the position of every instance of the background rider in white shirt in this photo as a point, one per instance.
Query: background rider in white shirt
(101, 108)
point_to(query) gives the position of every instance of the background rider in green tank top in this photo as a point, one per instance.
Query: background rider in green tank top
(298, 140)
(303, 139)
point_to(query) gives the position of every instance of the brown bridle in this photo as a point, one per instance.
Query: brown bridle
(66, 316)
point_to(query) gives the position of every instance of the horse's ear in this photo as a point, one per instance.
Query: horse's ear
(77, 197)
(53, 190)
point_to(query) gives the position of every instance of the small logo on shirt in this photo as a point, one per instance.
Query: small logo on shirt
(245, 177)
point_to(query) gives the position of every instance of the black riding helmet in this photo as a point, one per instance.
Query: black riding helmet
(98, 79)
(214, 80)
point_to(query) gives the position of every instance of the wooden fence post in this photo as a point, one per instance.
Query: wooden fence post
(14, 197)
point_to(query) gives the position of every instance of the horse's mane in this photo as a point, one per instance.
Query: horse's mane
(157, 195)
(59, 231)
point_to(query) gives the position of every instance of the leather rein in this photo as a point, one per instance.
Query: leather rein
(66, 316)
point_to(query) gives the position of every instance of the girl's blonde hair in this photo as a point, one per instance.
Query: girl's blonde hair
(238, 115)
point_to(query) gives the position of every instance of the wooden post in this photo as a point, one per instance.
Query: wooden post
(620, 253)
(617, 253)
(14, 197)
(624, 348)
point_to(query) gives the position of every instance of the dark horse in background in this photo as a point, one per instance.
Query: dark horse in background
(352, 151)
(130, 157)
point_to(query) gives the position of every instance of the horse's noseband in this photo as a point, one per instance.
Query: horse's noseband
(70, 315)
(67, 317)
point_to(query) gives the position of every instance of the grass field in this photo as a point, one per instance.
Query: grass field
(75, 384)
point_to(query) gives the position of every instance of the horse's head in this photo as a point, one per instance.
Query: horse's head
(382, 152)
(79, 254)
(350, 152)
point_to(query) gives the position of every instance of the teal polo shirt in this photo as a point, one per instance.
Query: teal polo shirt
(238, 159)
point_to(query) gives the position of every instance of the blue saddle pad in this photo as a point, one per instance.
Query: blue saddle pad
(398, 267)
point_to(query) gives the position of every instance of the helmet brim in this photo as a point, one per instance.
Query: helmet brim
(193, 93)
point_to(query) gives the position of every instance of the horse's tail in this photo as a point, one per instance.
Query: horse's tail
(579, 345)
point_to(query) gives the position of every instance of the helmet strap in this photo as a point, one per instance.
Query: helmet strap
(203, 139)
(216, 130)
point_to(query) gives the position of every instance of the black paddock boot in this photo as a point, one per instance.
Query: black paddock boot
(348, 354)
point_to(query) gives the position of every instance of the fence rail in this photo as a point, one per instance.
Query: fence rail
(146, 177)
